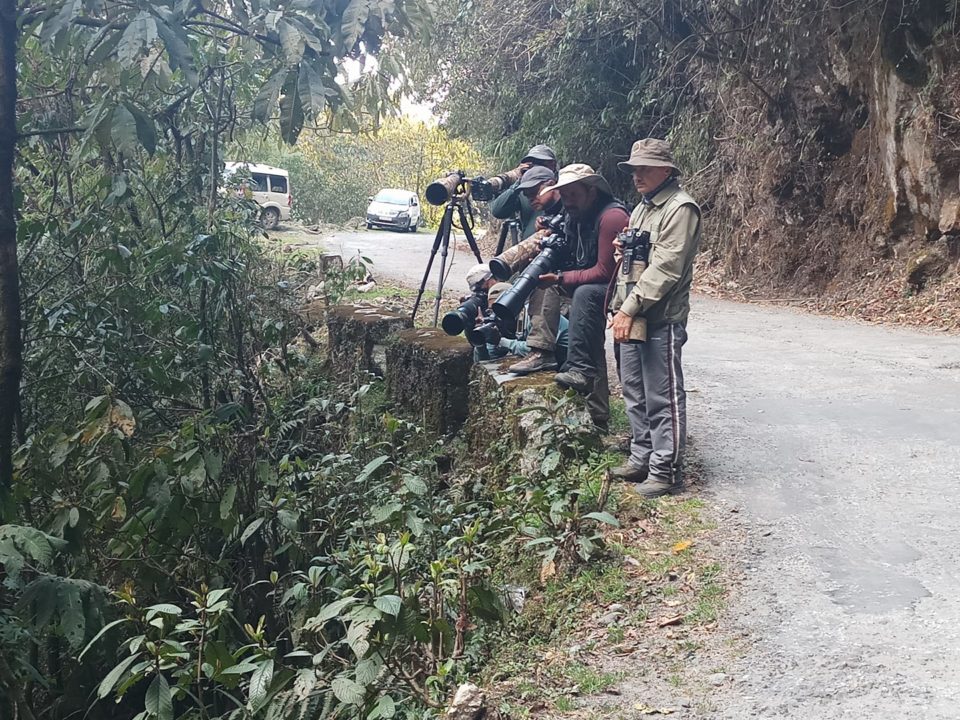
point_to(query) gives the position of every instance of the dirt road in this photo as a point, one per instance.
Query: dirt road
(403, 256)
(839, 444)
(836, 446)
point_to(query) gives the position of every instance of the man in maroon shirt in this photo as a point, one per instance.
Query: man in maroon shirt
(594, 217)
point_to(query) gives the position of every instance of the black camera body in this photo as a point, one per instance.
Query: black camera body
(635, 245)
(482, 190)
(489, 329)
(476, 321)
(464, 318)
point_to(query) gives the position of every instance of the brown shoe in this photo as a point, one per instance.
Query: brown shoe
(628, 472)
(534, 362)
(575, 380)
(655, 487)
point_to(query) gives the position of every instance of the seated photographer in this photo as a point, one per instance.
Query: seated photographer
(513, 200)
(480, 279)
(594, 217)
(498, 347)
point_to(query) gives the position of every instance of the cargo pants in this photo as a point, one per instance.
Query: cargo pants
(652, 381)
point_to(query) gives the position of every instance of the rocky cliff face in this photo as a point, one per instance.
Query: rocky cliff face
(837, 148)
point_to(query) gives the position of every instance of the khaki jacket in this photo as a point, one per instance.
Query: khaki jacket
(661, 293)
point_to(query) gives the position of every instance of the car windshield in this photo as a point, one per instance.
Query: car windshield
(392, 197)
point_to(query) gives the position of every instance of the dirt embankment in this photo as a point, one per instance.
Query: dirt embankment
(829, 159)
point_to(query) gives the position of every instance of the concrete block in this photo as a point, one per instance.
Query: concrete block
(359, 335)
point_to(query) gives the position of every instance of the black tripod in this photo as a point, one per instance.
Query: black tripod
(458, 201)
(511, 229)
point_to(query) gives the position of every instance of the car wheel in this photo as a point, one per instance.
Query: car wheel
(369, 226)
(412, 226)
(270, 218)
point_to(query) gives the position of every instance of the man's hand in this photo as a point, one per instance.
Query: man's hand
(523, 167)
(620, 323)
(548, 279)
(617, 251)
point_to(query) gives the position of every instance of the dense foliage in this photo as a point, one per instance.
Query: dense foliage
(203, 524)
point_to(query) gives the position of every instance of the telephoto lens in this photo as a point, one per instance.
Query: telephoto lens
(442, 189)
(465, 316)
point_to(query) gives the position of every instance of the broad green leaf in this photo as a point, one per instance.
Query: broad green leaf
(250, 530)
(385, 709)
(265, 103)
(389, 604)
(178, 50)
(123, 129)
(353, 21)
(347, 691)
(291, 40)
(159, 701)
(382, 513)
(103, 631)
(332, 610)
(163, 609)
(603, 517)
(140, 34)
(240, 669)
(226, 502)
(312, 92)
(146, 128)
(549, 464)
(357, 638)
(371, 467)
(368, 670)
(415, 485)
(112, 677)
(260, 683)
(291, 110)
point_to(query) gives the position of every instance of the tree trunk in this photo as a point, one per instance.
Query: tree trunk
(10, 341)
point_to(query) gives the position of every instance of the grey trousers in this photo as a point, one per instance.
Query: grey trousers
(588, 326)
(652, 381)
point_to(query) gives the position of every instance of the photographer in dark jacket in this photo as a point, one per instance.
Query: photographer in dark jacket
(513, 201)
(594, 217)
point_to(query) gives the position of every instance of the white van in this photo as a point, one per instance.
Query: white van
(269, 187)
(395, 209)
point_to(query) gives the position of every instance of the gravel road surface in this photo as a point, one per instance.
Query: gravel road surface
(404, 256)
(837, 446)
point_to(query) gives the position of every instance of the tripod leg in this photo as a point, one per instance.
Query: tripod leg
(514, 233)
(469, 234)
(502, 241)
(443, 236)
(444, 248)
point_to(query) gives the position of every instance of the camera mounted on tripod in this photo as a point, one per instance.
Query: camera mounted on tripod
(456, 184)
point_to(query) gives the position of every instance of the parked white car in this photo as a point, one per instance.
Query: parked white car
(270, 189)
(394, 209)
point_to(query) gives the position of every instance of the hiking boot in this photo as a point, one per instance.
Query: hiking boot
(534, 362)
(628, 472)
(655, 487)
(575, 380)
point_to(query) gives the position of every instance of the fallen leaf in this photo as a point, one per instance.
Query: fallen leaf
(681, 546)
(648, 710)
(675, 620)
(547, 570)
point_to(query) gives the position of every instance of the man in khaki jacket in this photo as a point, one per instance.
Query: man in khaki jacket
(659, 294)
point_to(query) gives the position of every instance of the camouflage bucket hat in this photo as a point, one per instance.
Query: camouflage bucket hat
(649, 152)
(579, 172)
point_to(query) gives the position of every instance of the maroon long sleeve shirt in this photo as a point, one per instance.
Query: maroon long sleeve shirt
(611, 223)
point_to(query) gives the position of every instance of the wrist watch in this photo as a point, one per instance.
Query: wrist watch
(560, 277)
